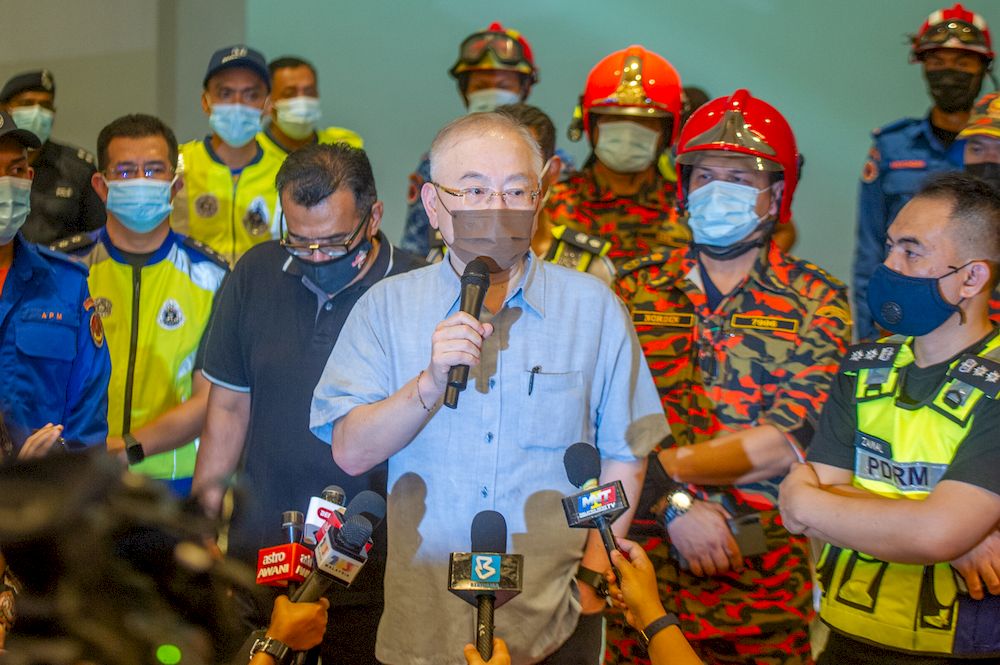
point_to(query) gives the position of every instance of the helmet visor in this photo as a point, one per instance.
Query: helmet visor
(952, 34)
(731, 135)
(505, 48)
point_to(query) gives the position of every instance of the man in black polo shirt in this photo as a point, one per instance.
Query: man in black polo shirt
(275, 324)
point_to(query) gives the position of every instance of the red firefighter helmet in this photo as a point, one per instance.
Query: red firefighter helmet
(741, 124)
(956, 28)
(496, 47)
(631, 82)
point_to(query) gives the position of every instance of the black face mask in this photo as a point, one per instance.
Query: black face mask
(332, 276)
(987, 171)
(953, 91)
(737, 249)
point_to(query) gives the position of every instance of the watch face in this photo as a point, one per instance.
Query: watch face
(680, 500)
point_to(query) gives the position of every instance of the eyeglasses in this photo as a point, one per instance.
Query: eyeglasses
(129, 171)
(506, 49)
(330, 246)
(480, 197)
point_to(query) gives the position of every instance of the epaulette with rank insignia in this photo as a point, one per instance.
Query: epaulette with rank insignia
(207, 251)
(978, 372)
(641, 262)
(586, 242)
(86, 156)
(893, 126)
(814, 269)
(870, 355)
(76, 244)
(62, 258)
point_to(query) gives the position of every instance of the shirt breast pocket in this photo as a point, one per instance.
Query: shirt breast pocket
(556, 411)
(759, 363)
(47, 335)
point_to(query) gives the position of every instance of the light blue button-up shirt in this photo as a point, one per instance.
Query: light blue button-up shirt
(563, 365)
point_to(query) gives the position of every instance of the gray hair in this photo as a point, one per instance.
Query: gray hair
(482, 123)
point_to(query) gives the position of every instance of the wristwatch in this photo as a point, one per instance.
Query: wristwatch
(594, 579)
(655, 626)
(133, 449)
(272, 647)
(679, 501)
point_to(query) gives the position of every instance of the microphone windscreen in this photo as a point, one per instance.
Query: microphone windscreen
(583, 463)
(355, 533)
(477, 271)
(369, 504)
(489, 532)
(334, 494)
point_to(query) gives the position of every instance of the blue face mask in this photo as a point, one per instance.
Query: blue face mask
(140, 204)
(721, 213)
(15, 204)
(911, 306)
(235, 124)
(36, 119)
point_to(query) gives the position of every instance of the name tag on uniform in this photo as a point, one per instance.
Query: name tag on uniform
(64, 192)
(670, 319)
(908, 164)
(764, 323)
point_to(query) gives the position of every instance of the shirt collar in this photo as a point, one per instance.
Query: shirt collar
(27, 260)
(161, 252)
(215, 157)
(653, 193)
(530, 291)
(765, 271)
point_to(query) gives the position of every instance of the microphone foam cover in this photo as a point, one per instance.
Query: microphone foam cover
(583, 463)
(366, 503)
(355, 533)
(489, 532)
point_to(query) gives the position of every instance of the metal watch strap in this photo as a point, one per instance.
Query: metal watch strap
(656, 625)
(594, 579)
(272, 647)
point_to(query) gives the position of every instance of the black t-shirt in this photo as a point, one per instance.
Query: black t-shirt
(977, 458)
(271, 336)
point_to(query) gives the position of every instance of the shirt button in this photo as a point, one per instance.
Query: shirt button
(489, 437)
(328, 306)
(493, 383)
(485, 492)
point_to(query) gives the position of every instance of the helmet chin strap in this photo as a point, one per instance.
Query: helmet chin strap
(740, 248)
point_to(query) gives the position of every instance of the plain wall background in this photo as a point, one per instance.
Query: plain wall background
(836, 70)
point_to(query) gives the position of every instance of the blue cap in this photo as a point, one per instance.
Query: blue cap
(238, 56)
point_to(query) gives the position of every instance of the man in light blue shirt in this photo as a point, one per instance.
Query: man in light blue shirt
(554, 360)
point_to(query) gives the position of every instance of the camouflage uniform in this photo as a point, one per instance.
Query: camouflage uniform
(765, 356)
(635, 225)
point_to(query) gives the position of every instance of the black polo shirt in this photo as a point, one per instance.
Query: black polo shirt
(270, 335)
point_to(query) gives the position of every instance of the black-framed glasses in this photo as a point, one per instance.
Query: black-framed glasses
(479, 197)
(330, 246)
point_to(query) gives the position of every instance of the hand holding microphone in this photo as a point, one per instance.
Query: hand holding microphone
(457, 341)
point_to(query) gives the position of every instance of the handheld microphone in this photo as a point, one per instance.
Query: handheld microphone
(475, 283)
(288, 564)
(597, 506)
(343, 549)
(320, 509)
(487, 577)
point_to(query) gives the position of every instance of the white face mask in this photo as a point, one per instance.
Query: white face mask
(297, 117)
(482, 101)
(625, 146)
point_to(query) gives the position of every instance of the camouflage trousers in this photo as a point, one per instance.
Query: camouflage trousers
(759, 616)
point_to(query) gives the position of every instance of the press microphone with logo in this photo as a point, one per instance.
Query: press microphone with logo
(597, 506)
(487, 577)
(285, 565)
(475, 283)
(343, 550)
(320, 509)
